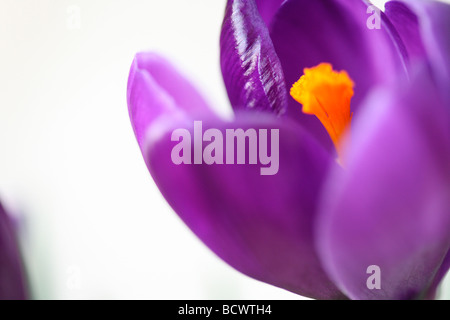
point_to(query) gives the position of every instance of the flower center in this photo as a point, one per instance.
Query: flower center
(326, 94)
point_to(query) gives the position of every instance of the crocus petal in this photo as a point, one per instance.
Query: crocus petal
(268, 8)
(251, 70)
(260, 225)
(407, 25)
(306, 33)
(391, 208)
(12, 281)
(429, 20)
(156, 89)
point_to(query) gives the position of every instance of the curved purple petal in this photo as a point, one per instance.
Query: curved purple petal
(251, 70)
(259, 224)
(407, 25)
(306, 33)
(156, 89)
(268, 8)
(392, 207)
(12, 277)
(424, 27)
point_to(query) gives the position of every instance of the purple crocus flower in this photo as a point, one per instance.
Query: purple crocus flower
(317, 228)
(12, 280)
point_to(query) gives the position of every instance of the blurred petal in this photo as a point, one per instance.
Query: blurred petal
(156, 89)
(260, 225)
(433, 291)
(251, 70)
(306, 33)
(407, 26)
(424, 27)
(12, 278)
(391, 207)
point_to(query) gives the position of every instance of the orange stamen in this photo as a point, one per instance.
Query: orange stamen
(326, 94)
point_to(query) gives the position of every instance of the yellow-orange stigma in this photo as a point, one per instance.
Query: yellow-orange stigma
(326, 94)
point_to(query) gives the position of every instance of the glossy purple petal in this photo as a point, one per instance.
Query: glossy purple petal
(12, 278)
(260, 225)
(155, 90)
(392, 207)
(251, 69)
(268, 8)
(306, 33)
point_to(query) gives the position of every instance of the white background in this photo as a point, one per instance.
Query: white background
(93, 224)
